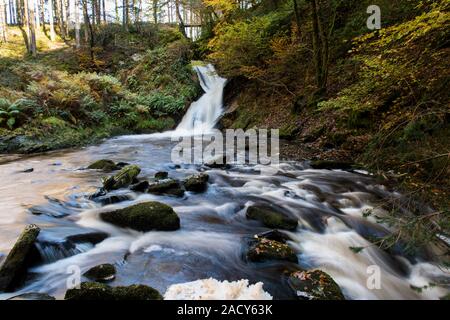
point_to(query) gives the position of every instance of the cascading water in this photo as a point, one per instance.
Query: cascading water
(204, 113)
(329, 205)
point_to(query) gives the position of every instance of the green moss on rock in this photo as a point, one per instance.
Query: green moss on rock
(160, 175)
(264, 249)
(101, 273)
(315, 285)
(122, 179)
(271, 218)
(144, 217)
(103, 164)
(196, 183)
(167, 186)
(99, 291)
(18, 258)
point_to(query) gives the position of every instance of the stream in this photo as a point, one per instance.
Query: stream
(329, 205)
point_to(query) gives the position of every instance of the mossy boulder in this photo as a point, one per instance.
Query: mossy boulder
(161, 175)
(265, 250)
(140, 186)
(101, 273)
(113, 198)
(19, 258)
(271, 218)
(168, 186)
(273, 234)
(99, 291)
(314, 285)
(125, 177)
(144, 217)
(103, 164)
(196, 183)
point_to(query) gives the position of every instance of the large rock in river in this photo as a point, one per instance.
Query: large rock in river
(271, 218)
(144, 216)
(104, 164)
(314, 285)
(196, 183)
(264, 249)
(101, 273)
(18, 259)
(99, 291)
(170, 187)
(125, 177)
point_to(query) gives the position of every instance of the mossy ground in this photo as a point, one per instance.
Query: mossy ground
(61, 98)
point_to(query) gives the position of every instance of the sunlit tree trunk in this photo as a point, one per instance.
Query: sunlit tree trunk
(3, 21)
(77, 24)
(116, 7)
(104, 11)
(126, 14)
(36, 13)
(155, 11)
(59, 15)
(89, 29)
(52, 20)
(28, 10)
(42, 15)
(66, 5)
(180, 18)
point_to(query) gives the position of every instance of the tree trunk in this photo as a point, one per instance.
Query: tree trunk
(116, 7)
(77, 24)
(52, 20)
(155, 11)
(97, 12)
(37, 14)
(180, 18)
(125, 14)
(320, 47)
(59, 15)
(89, 29)
(66, 5)
(104, 11)
(12, 15)
(29, 22)
(42, 15)
(3, 21)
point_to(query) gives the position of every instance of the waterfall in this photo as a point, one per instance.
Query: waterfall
(204, 113)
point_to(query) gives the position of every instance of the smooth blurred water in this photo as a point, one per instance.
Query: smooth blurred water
(214, 230)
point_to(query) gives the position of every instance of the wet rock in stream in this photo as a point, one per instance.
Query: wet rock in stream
(168, 186)
(144, 216)
(112, 198)
(51, 250)
(101, 273)
(124, 178)
(273, 235)
(314, 285)
(271, 218)
(265, 250)
(140, 186)
(196, 183)
(21, 256)
(161, 175)
(104, 165)
(99, 291)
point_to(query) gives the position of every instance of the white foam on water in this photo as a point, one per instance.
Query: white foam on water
(212, 289)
